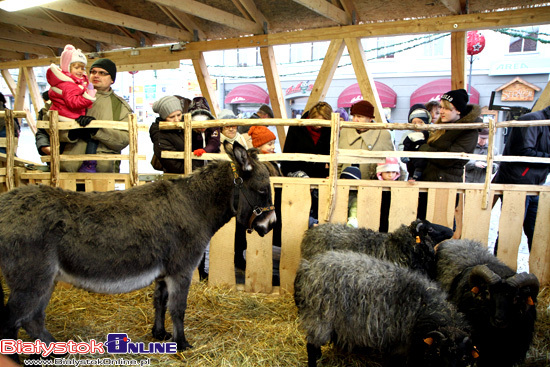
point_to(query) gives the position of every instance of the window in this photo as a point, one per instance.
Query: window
(435, 46)
(525, 41)
(385, 48)
(300, 52)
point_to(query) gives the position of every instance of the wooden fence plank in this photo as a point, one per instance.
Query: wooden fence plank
(510, 227)
(295, 206)
(340, 214)
(222, 251)
(539, 259)
(441, 206)
(67, 184)
(100, 185)
(259, 263)
(324, 194)
(369, 200)
(403, 208)
(477, 220)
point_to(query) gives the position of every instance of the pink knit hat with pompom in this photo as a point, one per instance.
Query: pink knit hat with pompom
(71, 55)
(391, 165)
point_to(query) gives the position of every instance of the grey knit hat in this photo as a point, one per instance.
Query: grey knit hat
(166, 105)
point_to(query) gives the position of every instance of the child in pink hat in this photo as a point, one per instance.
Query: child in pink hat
(389, 170)
(71, 93)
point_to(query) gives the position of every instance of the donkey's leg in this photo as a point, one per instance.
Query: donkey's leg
(160, 300)
(178, 289)
(35, 326)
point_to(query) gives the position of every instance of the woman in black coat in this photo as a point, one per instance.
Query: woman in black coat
(454, 109)
(309, 140)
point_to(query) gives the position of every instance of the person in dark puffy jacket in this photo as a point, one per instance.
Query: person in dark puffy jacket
(531, 141)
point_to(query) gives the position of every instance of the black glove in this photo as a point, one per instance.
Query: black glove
(83, 134)
(84, 120)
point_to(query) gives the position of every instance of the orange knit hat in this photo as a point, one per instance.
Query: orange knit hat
(260, 135)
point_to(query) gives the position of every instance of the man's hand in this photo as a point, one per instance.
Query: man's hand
(199, 152)
(84, 120)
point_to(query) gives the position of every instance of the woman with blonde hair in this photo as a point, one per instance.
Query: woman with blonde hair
(454, 109)
(309, 140)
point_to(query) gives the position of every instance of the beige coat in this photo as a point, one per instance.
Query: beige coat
(378, 140)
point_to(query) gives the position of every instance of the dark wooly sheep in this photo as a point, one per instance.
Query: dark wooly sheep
(120, 241)
(499, 303)
(411, 246)
(358, 301)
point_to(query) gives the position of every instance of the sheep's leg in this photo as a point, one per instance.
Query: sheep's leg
(313, 354)
(159, 302)
(178, 289)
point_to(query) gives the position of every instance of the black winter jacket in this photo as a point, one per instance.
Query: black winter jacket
(174, 140)
(298, 140)
(464, 141)
(532, 141)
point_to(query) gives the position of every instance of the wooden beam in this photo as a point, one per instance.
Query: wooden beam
(326, 9)
(135, 34)
(36, 97)
(458, 60)
(366, 82)
(326, 73)
(466, 22)
(430, 25)
(9, 81)
(59, 28)
(453, 5)
(119, 19)
(21, 90)
(11, 56)
(183, 21)
(14, 34)
(15, 46)
(70, 21)
(274, 89)
(252, 10)
(351, 10)
(216, 15)
(205, 83)
(544, 99)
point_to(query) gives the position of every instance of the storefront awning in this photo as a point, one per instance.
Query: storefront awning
(352, 94)
(433, 91)
(248, 93)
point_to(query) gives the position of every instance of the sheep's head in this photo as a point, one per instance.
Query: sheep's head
(448, 346)
(502, 301)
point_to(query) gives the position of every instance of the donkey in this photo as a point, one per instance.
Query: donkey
(120, 241)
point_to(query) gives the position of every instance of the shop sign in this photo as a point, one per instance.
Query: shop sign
(302, 87)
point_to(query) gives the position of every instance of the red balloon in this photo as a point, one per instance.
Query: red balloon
(476, 42)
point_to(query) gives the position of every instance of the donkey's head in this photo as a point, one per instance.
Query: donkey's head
(251, 201)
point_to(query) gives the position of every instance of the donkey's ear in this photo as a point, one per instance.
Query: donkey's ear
(238, 154)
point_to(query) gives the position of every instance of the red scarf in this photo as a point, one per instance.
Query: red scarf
(315, 134)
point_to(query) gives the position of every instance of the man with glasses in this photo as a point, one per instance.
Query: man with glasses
(107, 106)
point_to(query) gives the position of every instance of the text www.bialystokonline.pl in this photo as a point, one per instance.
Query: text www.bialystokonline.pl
(87, 362)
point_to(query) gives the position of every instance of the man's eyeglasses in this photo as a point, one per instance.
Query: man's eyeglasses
(102, 73)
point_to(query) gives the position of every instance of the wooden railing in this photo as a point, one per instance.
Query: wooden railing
(333, 198)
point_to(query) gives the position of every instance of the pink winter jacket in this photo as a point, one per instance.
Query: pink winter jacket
(68, 93)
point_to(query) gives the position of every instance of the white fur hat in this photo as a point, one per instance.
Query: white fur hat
(391, 165)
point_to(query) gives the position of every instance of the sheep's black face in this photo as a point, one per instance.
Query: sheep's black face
(448, 347)
(255, 209)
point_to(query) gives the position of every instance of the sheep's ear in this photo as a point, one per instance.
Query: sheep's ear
(239, 155)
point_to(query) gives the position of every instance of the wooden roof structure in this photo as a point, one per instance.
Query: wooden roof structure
(156, 34)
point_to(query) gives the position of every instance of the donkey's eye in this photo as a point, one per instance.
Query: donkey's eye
(262, 191)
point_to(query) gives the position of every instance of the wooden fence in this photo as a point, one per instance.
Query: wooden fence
(476, 199)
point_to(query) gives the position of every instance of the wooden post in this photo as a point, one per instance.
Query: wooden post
(458, 60)
(187, 144)
(489, 168)
(54, 149)
(10, 151)
(274, 88)
(133, 156)
(333, 169)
